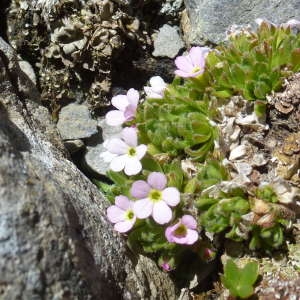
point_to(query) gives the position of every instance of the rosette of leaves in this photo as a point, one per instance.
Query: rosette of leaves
(253, 64)
(224, 214)
(178, 124)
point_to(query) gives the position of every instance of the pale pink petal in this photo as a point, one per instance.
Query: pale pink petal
(162, 213)
(143, 208)
(157, 84)
(132, 166)
(141, 151)
(151, 93)
(183, 63)
(140, 189)
(120, 102)
(197, 56)
(130, 112)
(129, 136)
(189, 222)
(133, 97)
(157, 180)
(115, 118)
(124, 226)
(171, 195)
(116, 146)
(169, 233)
(191, 236)
(122, 202)
(115, 214)
(118, 163)
(180, 239)
(184, 74)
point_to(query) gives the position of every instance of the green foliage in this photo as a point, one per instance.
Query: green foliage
(240, 281)
(267, 193)
(148, 237)
(254, 64)
(178, 124)
(212, 172)
(266, 238)
(221, 214)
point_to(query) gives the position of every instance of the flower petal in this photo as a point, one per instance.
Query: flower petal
(162, 213)
(116, 146)
(184, 74)
(151, 93)
(132, 166)
(171, 195)
(124, 226)
(115, 214)
(191, 236)
(157, 180)
(197, 56)
(130, 112)
(189, 221)
(115, 118)
(141, 151)
(120, 102)
(169, 233)
(118, 163)
(157, 84)
(133, 97)
(143, 208)
(123, 202)
(129, 136)
(183, 63)
(140, 189)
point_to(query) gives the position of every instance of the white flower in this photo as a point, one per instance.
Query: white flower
(156, 88)
(125, 153)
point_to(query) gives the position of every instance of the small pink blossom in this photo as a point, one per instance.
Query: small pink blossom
(192, 64)
(156, 88)
(125, 153)
(155, 198)
(183, 232)
(126, 108)
(121, 214)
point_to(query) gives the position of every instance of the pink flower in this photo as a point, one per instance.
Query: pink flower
(126, 105)
(121, 214)
(156, 88)
(155, 199)
(193, 64)
(183, 232)
(125, 153)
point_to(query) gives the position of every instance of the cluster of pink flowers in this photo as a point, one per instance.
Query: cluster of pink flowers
(150, 198)
(154, 199)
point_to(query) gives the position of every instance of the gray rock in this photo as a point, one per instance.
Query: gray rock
(209, 19)
(92, 159)
(75, 122)
(74, 145)
(168, 42)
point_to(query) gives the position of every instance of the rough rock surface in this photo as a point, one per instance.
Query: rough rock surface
(209, 19)
(92, 160)
(55, 241)
(75, 122)
(167, 42)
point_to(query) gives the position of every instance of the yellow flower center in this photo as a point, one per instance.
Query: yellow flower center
(155, 195)
(131, 151)
(180, 231)
(196, 69)
(129, 215)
